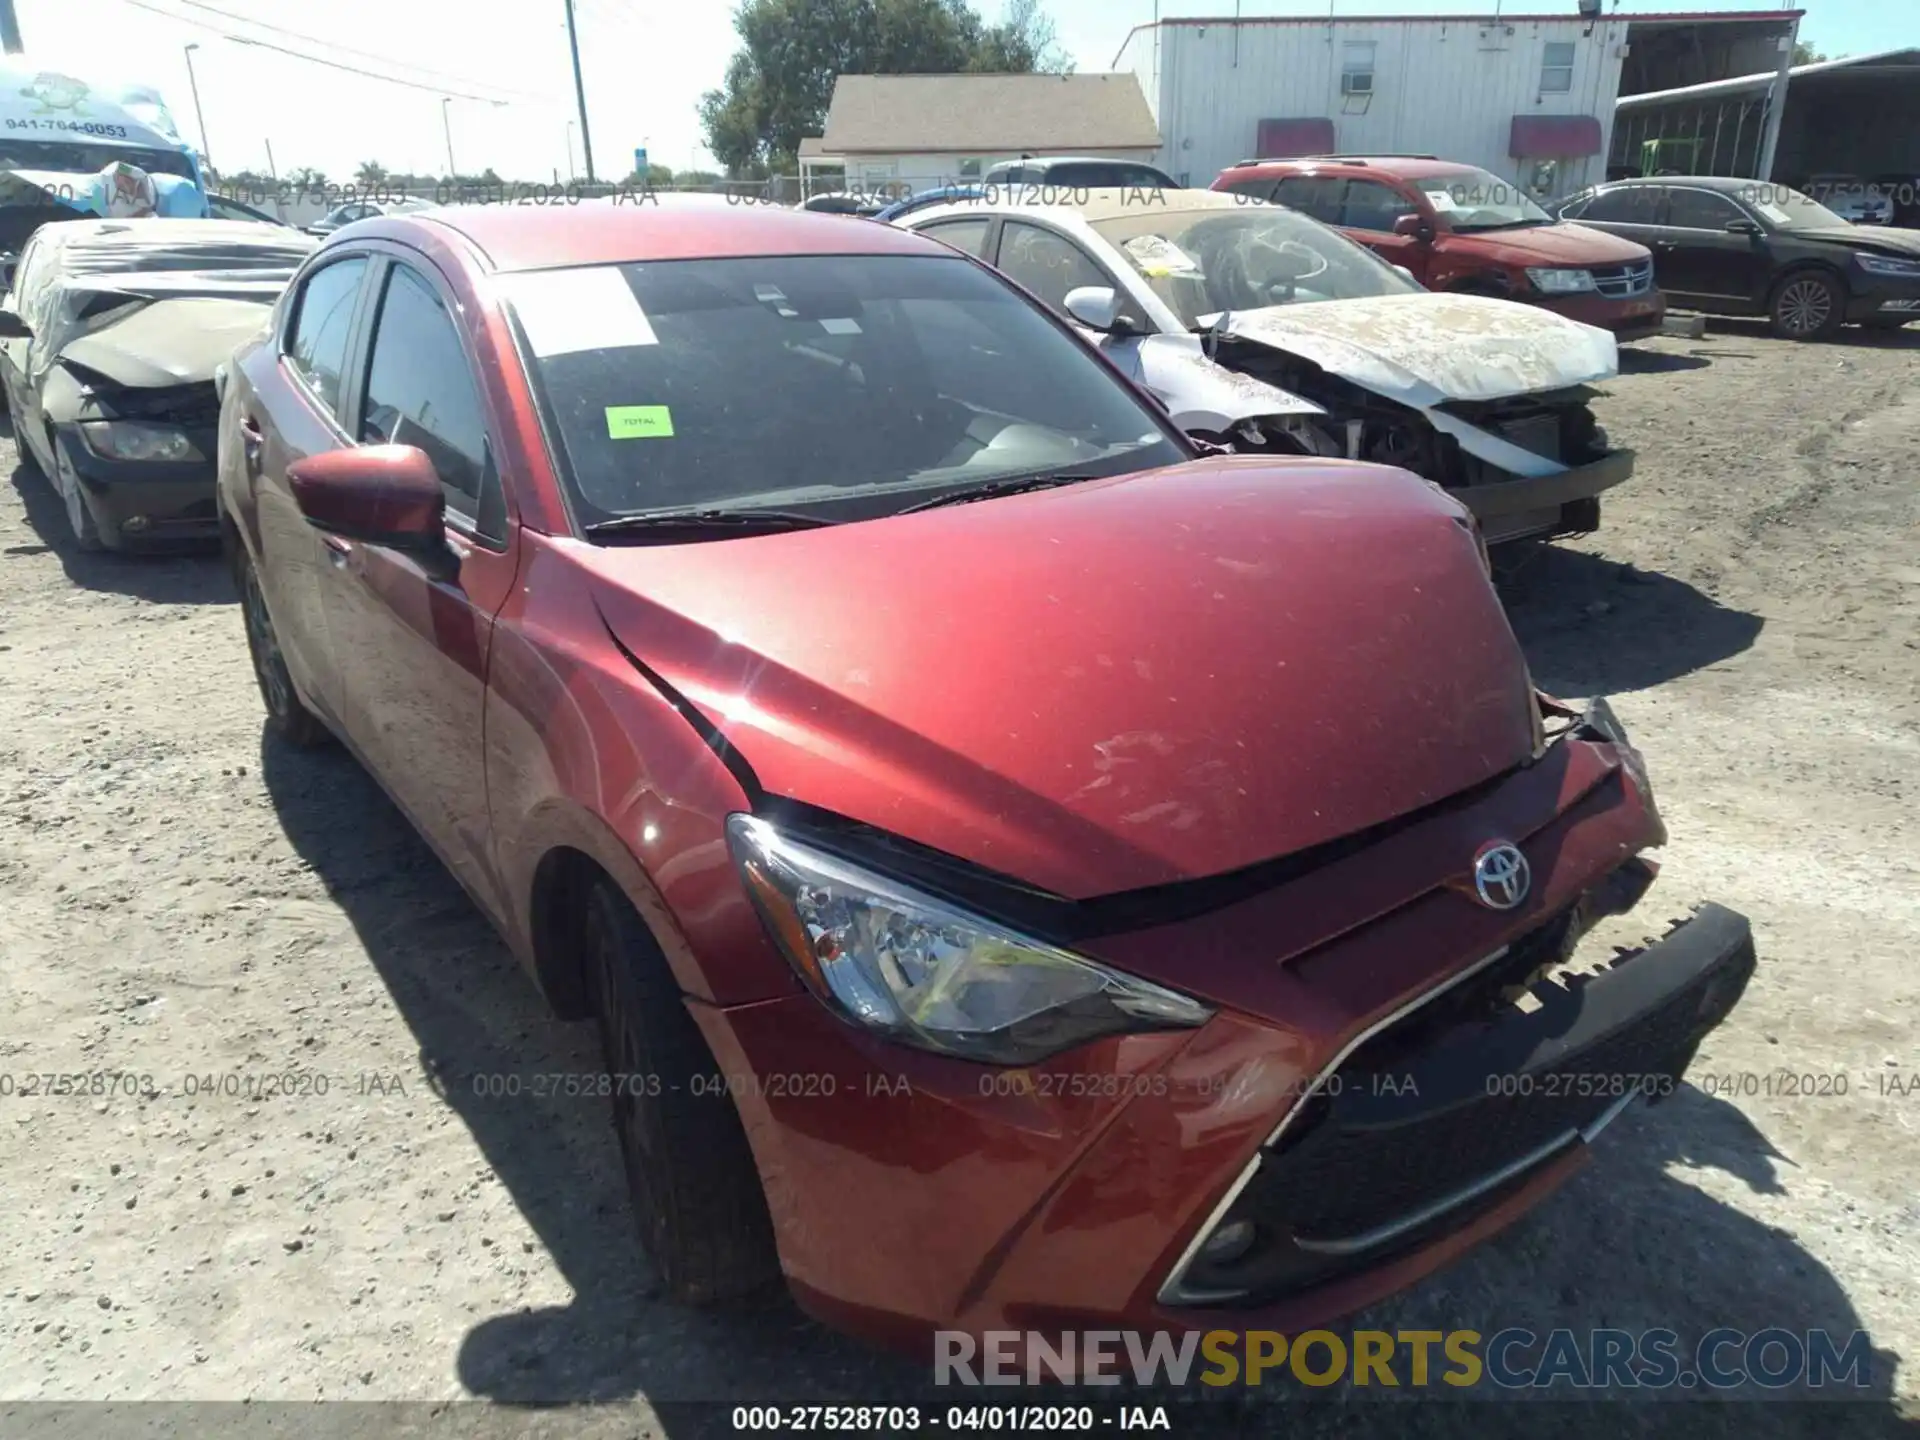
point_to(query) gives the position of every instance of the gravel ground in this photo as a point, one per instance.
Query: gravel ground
(182, 900)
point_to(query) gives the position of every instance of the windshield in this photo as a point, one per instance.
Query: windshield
(843, 386)
(19, 154)
(1470, 200)
(1786, 209)
(1201, 262)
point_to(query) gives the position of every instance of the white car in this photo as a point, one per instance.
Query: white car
(1263, 330)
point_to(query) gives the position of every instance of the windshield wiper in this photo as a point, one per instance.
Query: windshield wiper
(992, 488)
(729, 522)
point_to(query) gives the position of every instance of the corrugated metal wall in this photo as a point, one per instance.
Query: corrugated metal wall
(1448, 88)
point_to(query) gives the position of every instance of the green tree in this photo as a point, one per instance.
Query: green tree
(372, 172)
(778, 84)
(1805, 54)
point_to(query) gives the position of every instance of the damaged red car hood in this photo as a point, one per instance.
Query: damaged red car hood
(1107, 686)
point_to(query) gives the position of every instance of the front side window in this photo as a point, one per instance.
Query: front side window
(846, 387)
(1202, 262)
(1556, 68)
(1700, 210)
(321, 326)
(420, 390)
(1046, 263)
(1373, 206)
(1474, 200)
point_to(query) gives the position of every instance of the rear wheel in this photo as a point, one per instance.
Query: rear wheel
(1807, 305)
(695, 1189)
(286, 714)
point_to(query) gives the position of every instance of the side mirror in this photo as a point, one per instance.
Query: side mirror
(1742, 227)
(12, 327)
(1417, 227)
(1406, 274)
(386, 495)
(1098, 308)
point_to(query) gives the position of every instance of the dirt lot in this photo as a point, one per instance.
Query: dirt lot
(181, 900)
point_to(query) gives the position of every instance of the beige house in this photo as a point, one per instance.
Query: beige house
(909, 132)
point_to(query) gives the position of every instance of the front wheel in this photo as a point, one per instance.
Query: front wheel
(695, 1189)
(287, 715)
(1807, 306)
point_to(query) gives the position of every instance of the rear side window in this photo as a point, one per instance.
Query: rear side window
(1258, 188)
(1315, 196)
(967, 235)
(1631, 205)
(322, 325)
(420, 390)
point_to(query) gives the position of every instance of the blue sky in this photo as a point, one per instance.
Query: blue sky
(646, 63)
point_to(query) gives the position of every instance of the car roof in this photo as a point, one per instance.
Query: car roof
(1109, 203)
(1413, 167)
(1729, 183)
(673, 227)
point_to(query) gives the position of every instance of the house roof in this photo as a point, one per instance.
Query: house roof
(812, 147)
(903, 114)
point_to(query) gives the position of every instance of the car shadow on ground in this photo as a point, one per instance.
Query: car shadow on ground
(194, 577)
(1594, 626)
(1854, 336)
(1656, 362)
(1632, 1242)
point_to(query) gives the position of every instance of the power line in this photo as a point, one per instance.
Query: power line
(345, 49)
(331, 64)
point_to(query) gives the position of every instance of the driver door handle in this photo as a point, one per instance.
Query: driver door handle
(339, 551)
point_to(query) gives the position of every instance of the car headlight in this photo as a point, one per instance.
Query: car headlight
(920, 971)
(1887, 265)
(134, 440)
(1561, 282)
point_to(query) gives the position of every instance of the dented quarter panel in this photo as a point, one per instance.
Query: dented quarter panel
(1423, 350)
(1199, 394)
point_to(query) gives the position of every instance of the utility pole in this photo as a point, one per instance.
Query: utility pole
(447, 124)
(579, 90)
(10, 29)
(193, 84)
(272, 169)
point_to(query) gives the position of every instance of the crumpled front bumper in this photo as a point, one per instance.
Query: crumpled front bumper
(1521, 506)
(913, 1192)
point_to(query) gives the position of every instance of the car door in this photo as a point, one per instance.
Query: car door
(414, 638)
(16, 354)
(282, 416)
(1051, 266)
(1368, 212)
(1705, 260)
(1633, 212)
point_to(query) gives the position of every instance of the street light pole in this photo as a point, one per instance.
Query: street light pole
(580, 92)
(572, 174)
(194, 84)
(447, 124)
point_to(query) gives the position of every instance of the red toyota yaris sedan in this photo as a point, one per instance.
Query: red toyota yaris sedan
(1004, 851)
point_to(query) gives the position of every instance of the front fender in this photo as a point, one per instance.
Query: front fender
(1199, 394)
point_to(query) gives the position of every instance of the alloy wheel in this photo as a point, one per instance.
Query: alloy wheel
(267, 664)
(1805, 306)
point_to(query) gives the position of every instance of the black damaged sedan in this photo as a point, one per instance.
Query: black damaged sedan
(109, 340)
(1747, 247)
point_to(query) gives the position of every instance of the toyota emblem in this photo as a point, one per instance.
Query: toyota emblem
(1501, 875)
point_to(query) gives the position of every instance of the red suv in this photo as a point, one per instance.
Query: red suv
(1024, 874)
(1457, 227)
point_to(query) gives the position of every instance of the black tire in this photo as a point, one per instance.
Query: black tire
(696, 1192)
(1807, 305)
(66, 483)
(287, 717)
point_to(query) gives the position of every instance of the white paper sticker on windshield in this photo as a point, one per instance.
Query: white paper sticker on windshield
(840, 327)
(567, 311)
(1158, 256)
(1773, 213)
(1442, 201)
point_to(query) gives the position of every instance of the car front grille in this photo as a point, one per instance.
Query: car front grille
(1452, 1108)
(1623, 282)
(1537, 434)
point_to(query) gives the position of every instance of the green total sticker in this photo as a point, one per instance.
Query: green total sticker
(639, 422)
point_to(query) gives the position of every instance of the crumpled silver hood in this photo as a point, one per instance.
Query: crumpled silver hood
(1427, 349)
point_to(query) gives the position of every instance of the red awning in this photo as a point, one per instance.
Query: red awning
(1554, 137)
(1303, 135)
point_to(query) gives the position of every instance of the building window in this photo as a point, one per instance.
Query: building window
(969, 169)
(1556, 68)
(1356, 68)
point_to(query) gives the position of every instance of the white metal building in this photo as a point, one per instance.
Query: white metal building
(1528, 97)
